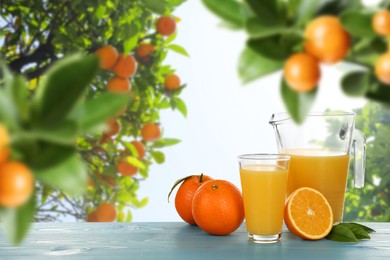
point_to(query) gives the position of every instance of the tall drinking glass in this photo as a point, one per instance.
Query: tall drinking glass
(263, 182)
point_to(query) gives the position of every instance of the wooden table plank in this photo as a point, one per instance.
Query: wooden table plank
(170, 240)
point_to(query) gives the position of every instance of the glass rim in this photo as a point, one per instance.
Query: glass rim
(284, 116)
(264, 157)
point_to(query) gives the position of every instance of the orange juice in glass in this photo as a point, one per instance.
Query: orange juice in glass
(263, 182)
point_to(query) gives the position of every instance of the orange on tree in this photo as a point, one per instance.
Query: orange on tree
(185, 194)
(113, 127)
(144, 52)
(150, 132)
(302, 72)
(382, 68)
(16, 184)
(217, 207)
(308, 214)
(139, 146)
(108, 56)
(172, 82)
(166, 25)
(125, 67)
(126, 169)
(92, 217)
(106, 212)
(326, 39)
(381, 23)
(118, 85)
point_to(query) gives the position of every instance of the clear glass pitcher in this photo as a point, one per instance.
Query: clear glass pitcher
(320, 150)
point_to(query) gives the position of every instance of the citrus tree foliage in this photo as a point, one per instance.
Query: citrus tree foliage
(34, 35)
(372, 203)
(275, 31)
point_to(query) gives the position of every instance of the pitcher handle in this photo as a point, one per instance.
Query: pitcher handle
(359, 152)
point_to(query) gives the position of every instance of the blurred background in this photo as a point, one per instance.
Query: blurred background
(225, 117)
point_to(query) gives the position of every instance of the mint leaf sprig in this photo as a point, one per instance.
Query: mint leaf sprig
(349, 232)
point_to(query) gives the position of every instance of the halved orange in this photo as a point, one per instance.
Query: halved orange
(308, 214)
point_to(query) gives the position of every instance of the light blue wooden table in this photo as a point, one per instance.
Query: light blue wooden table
(159, 240)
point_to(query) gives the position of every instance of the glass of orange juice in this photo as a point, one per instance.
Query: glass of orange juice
(263, 182)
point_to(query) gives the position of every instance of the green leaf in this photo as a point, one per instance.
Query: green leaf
(341, 233)
(171, 38)
(379, 92)
(358, 23)
(355, 83)
(17, 221)
(164, 142)
(304, 10)
(179, 49)
(175, 2)
(256, 29)
(19, 93)
(159, 157)
(8, 114)
(134, 161)
(252, 66)
(156, 6)
(230, 11)
(132, 36)
(267, 11)
(65, 133)
(367, 229)
(181, 106)
(63, 87)
(337, 7)
(62, 168)
(277, 47)
(298, 104)
(8, 111)
(98, 110)
(358, 231)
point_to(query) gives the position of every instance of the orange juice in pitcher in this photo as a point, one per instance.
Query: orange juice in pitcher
(320, 150)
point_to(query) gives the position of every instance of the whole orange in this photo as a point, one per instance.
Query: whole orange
(382, 68)
(166, 25)
(118, 85)
(126, 169)
(218, 208)
(150, 132)
(106, 212)
(302, 72)
(326, 39)
(185, 194)
(172, 82)
(125, 67)
(381, 23)
(144, 52)
(16, 184)
(108, 56)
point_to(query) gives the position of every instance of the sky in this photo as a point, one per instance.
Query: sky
(225, 118)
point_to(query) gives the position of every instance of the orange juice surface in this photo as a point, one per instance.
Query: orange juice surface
(321, 170)
(264, 194)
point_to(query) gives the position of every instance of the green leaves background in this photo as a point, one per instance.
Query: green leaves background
(274, 29)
